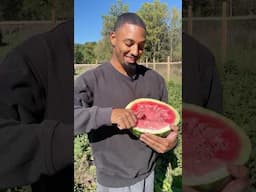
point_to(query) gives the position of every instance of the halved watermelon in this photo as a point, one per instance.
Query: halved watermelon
(153, 116)
(210, 142)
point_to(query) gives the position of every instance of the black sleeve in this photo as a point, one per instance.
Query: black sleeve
(210, 83)
(29, 145)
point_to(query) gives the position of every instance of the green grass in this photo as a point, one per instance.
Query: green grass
(239, 95)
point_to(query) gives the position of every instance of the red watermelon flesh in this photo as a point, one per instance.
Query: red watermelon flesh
(210, 142)
(153, 116)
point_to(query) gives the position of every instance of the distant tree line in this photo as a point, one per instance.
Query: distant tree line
(20, 10)
(163, 39)
(34, 9)
(213, 7)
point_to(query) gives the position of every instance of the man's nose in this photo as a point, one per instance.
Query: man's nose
(135, 50)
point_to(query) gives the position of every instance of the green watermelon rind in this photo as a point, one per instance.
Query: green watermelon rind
(215, 186)
(163, 132)
(221, 172)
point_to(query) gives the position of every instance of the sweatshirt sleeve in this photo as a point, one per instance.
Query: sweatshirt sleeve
(86, 116)
(30, 146)
(164, 91)
(211, 85)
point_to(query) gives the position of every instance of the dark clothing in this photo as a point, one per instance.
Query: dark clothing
(200, 82)
(36, 112)
(120, 158)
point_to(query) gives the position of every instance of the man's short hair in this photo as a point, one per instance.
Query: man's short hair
(131, 18)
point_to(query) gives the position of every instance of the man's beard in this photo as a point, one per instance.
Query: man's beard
(130, 68)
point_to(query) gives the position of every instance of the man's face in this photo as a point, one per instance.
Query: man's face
(128, 43)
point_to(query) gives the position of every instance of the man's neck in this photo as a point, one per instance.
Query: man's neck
(119, 67)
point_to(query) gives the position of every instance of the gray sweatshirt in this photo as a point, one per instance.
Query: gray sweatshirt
(120, 158)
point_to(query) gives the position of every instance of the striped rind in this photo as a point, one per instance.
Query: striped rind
(160, 132)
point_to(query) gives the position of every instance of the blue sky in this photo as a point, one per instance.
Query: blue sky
(88, 16)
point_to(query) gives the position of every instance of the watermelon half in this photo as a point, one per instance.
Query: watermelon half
(153, 116)
(210, 142)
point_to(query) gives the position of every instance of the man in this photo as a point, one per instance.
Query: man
(36, 112)
(123, 162)
(201, 86)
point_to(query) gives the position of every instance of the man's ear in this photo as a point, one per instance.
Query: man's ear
(112, 38)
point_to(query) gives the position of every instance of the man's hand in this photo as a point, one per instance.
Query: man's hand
(239, 183)
(240, 180)
(159, 144)
(124, 118)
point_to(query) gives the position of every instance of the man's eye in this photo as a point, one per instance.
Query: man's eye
(141, 47)
(128, 44)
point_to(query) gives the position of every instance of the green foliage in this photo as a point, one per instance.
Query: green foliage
(155, 16)
(163, 27)
(109, 20)
(64, 9)
(17, 189)
(79, 57)
(81, 147)
(203, 8)
(85, 53)
(85, 175)
(35, 10)
(104, 49)
(10, 9)
(213, 7)
(89, 52)
(239, 98)
(175, 30)
(169, 165)
(78, 53)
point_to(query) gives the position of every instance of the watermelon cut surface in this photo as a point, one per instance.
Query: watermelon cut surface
(210, 142)
(153, 116)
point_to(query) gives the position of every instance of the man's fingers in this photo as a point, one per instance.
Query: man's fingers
(238, 171)
(132, 121)
(133, 116)
(175, 128)
(172, 136)
(237, 185)
(188, 189)
(152, 143)
(159, 144)
(124, 118)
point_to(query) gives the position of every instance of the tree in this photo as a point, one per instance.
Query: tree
(64, 9)
(109, 20)
(175, 35)
(79, 57)
(78, 54)
(35, 9)
(103, 49)
(155, 16)
(10, 10)
(89, 52)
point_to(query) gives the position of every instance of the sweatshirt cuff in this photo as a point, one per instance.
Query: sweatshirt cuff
(62, 146)
(103, 116)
